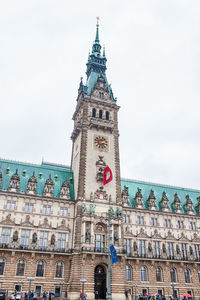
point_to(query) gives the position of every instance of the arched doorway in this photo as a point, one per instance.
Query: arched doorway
(100, 281)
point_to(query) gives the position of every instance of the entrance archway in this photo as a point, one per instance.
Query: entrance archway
(100, 281)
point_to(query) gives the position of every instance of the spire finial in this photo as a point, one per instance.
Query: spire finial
(97, 22)
(104, 54)
(97, 32)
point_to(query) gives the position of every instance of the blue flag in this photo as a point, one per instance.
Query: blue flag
(113, 254)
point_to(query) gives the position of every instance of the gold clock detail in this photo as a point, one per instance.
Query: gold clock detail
(101, 142)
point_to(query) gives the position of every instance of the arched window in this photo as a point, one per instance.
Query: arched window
(59, 270)
(173, 275)
(94, 112)
(199, 275)
(187, 275)
(20, 268)
(158, 274)
(100, 114)
(40, 269)
(143, 273)
(107, 115)
(128, 273)
(2, 265)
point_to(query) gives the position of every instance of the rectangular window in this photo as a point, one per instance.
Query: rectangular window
(166, 223)
(38, 290)
(57, 291)
(196, 251)
(154, 221)
(25, 234)
(128, 219)
(124, 219)
(170, 249)
(5, 235)
(10, 205)
(184, 250)
(63, 211)
(169, 223)
(156, 248)
(29, 207)
(46, 210)
(191, 225)
(142, 247)
(43, 239)
(61, 241)
(127, 246)
(140, 220)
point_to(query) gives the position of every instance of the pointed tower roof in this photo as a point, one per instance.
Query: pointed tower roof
(96, 66)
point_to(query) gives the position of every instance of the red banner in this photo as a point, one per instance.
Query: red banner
(107, 175)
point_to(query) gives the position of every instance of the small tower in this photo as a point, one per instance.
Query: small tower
(32, 185)
(14, 183)
(48, 188)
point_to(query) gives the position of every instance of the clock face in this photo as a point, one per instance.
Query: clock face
(101, 142)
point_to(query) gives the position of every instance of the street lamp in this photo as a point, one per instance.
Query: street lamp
(173, 285)
(83, 281)
(30, 279)
(135, 290)
(109, 257)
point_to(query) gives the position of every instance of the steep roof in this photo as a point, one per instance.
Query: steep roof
(25, 171)
(158, 189)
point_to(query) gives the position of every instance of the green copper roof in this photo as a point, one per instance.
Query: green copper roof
(96, 67)
(25, 170)
(158, 189)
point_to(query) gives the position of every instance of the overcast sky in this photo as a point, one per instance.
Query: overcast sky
(153, 50)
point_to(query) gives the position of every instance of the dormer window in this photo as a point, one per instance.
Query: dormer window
(101, 95)
(94, 112)
(100, 114)
(107, 115)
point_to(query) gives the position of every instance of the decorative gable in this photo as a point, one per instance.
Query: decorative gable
(65, 190)
(125, 196)
(189, 205)
(8, 221)
(45, 224)
(27, 222)
(183, 238)
(152, 201)
(48, 188)
(63, 226)
(32, 185)
(138, 199)
(164, 202)
(156, 235)
(170, 236)
(177, 204)
(14, 183)
(142, 234)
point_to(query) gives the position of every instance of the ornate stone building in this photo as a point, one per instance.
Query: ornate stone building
(53, 217)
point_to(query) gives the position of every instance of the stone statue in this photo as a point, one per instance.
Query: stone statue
(92, 209)
(149, 247)
(177, 249)
(53, 240)
(164, 248)
(191, 250)
(84, 208)
(34, 238)
(87, 237)
(15, 236)
(111, 212)
(118, 212)
(115, 238)
(135, 246)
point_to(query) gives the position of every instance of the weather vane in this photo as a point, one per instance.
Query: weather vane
(97, 21)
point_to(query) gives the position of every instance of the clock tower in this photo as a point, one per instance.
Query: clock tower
(95, 135)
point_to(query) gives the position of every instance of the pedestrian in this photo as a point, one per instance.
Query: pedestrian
(96, 295)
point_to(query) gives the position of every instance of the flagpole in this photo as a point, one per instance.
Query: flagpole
(109, 265)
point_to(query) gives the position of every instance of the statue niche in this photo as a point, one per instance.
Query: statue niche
(100, 166)
(125, 196)
(138, 199)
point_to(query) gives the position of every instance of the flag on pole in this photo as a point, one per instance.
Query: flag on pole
(107, 175)
(113, 254)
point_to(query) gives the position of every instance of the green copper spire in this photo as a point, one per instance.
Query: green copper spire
(97, 32)
(96, 60)
(96, 66)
